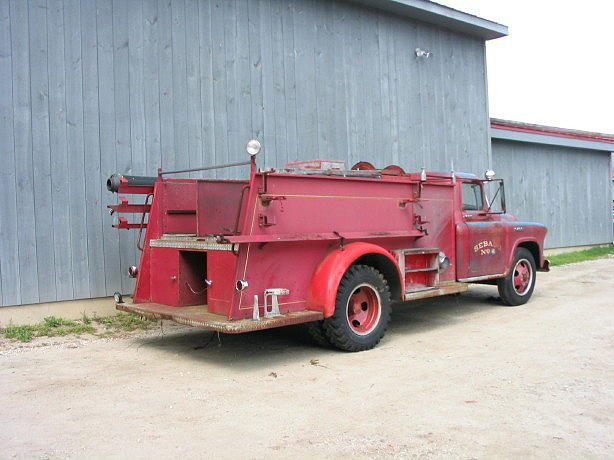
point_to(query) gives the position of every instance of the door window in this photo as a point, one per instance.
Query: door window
(472, 197)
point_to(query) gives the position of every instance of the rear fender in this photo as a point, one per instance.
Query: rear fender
(326, 278)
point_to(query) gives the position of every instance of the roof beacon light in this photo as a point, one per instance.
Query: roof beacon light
(489, 174)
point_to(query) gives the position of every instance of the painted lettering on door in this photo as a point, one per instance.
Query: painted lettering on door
(487, 247)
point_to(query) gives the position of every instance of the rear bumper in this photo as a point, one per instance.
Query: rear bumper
(198, 316)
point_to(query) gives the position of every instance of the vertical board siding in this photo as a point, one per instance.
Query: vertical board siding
(151, 88)
(92, 152)
(205, 56)
(89, 88)
(9, 244)
(564, 188)
(41, 156)
(287, 38)
(218, 83)
(22, 138)
(59, 151)
(75, 176)
(106, 129)
(179, 75)
(277, 78)
(195, 146)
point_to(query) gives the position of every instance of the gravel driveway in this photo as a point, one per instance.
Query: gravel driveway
(454, 376)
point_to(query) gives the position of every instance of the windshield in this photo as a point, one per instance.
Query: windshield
(472, 197)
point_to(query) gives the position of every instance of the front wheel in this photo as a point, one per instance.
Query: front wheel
(362, 310)
(517, 287)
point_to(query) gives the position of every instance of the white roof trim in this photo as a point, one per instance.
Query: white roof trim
(434, 13)
(532, 138)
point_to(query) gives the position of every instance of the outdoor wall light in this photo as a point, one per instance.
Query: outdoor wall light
(422, 53)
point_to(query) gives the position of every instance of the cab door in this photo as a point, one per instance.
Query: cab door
(480, 236)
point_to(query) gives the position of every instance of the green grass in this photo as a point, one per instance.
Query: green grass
(86, 319)
(53, 327)
(21, 333)
(581, 256)
(49, 327)
(53, 322)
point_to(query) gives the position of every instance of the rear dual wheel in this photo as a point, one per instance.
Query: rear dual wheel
(315, 330)
(362, 311)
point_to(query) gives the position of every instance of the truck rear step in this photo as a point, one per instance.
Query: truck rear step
(198, 316)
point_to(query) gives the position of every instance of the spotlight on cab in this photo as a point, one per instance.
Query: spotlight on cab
(253, 147)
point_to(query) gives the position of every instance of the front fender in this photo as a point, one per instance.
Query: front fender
(533, 237)
(327, 276)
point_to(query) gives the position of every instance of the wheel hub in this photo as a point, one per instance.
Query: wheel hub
(523, 276)
(363, 312)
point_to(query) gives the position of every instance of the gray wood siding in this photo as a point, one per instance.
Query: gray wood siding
(566, 189)
(89, 88)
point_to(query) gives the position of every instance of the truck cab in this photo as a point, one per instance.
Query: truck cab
(488, 239)
(319, 244)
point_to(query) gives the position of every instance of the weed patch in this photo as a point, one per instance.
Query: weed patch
(21, 333)
(101, 326)
(49, 327)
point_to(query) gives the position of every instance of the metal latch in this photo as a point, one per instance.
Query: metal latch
(266, 221)
(266, 199)
(419, 224)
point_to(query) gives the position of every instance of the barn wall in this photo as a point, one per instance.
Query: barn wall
(89, 88)
(567, 189)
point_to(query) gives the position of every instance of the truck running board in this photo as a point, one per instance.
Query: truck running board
(198, 316)
(442, 289)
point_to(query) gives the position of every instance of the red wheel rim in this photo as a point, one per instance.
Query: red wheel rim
(522, 277)
(363, 310)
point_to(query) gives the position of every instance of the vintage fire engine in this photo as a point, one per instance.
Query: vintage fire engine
(318, 244)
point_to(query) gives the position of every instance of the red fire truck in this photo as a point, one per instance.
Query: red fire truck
(318, 244)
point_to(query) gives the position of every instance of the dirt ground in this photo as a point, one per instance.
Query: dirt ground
(454, 377)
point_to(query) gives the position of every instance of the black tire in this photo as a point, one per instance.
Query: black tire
(363, 285)
(512, 291)
(316, 332)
